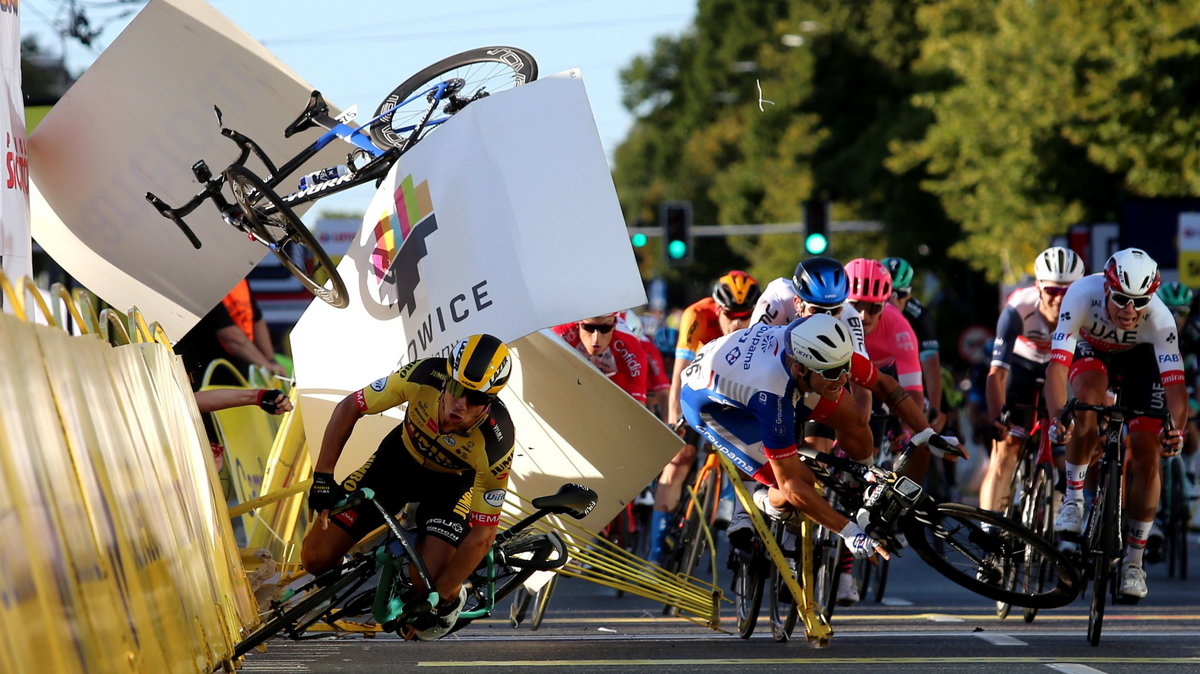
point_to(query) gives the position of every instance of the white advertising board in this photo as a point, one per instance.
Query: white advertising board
(15, 255)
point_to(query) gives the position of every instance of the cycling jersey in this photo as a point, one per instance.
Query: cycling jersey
(777, 306)
(485, 450)
(894, 344)
(921, 321)
(1022, 332)
(623, 362)
(738, 392)
(658, 379)
(1083, 314)
(698, 326)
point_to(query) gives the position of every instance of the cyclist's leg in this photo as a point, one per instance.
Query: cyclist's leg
(667, 493)
(327, 542)
(1089, 380)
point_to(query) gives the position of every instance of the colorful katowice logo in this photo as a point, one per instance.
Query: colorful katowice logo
(400, 243)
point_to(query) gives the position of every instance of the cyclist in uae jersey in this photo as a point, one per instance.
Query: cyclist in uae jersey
(1019, 357)
(1128, 342)
(615, 351)
(451, 453)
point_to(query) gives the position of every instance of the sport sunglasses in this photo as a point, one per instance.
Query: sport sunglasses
(822, 309)
(476, 398)
(869, 307)
(1121, 299)
(834, 373)
(1054, 291)
(602, 328)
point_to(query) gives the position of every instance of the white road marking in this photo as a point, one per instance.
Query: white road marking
(895, 601)
(1074, 668)
(996, 639)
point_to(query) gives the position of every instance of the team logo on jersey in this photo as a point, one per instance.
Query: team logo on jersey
(494, 497)
(379, 384)
(733, 355)
(1064, 316)
(399, 237)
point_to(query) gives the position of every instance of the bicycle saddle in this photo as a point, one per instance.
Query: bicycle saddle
(572, 499)
(316, 107)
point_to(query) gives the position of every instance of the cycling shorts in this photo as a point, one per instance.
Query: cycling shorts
(398, 479)
(734, 431)
(1024, 391)
(1134, 373)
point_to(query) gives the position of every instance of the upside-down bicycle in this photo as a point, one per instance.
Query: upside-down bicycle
(446, 87)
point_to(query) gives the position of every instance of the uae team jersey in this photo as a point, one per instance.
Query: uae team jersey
(1083, 314)
(777, 306)
(486, 449)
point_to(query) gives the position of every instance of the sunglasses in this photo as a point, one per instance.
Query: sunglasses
(1121, 299)
(602, 328)
(834, 373)
(1054, 291)
(736, 315)
(868, 307)
(476, 398)
(821, 309)
(901, 294)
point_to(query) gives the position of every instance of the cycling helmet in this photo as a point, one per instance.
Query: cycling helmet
(1175, 294)
(869, 280)
(819, 342)
(634, 323)
(901, 271)
(736, 292)
(1132, 272)
(480, 363)
(1058, 265)
(821, 280)
(665, 339)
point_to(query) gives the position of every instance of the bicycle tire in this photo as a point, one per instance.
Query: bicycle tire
(1175, 531)
(696, 541)
(783, 613)
(300, 614)
(880, 570)
(1104, 547)
(969, 556)
(748, 581)
(512, 576)
(1038, 517)
(281, 231)
(542, 602)
(827, 555)
(501, 67)
(1013, 511)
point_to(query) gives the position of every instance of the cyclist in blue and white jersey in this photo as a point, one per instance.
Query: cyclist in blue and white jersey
(739, 393)
(818, 286)
(1019, 357)
(1129, 339)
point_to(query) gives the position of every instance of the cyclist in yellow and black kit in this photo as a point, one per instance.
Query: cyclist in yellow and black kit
(451, 453)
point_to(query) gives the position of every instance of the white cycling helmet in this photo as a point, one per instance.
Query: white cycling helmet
(1058, 265)
(634, 323)
(1132, 272)
(819, 342)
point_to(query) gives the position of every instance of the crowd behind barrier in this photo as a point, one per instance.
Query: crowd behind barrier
(124, 558)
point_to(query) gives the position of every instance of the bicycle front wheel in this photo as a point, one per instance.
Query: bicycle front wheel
(1037, 514)
(973, 557)
(781, 603)
(748, 580)
(483, 71)
(275, 224)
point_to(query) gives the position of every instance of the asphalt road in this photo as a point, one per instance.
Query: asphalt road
(925, 624)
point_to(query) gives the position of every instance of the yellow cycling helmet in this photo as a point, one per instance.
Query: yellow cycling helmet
(480, 363)
(736, 292)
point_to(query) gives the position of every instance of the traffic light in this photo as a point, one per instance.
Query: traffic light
(637, 235)
(676, 218)
(816, 227)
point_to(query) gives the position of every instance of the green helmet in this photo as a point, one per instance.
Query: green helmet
(901, 271)
(1175, 294)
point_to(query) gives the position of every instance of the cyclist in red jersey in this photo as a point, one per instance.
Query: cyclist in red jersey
(615, 351)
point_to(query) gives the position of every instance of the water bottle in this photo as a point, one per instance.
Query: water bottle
(324, 175)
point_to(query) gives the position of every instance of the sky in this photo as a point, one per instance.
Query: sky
(357, 51)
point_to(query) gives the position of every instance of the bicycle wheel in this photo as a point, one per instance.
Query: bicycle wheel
(748, 580)
(275, 224)
(827, 555)
(311, 604)
(524, 554)
(971, 557)
(1014, 512)
(1037, 515)
(542, 602)
(483, 71)
(695, 542)
(1178, 516)
(781, 603)
(1104, 546)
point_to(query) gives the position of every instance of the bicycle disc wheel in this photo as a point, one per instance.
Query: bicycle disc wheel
(781, 603)
(748, 581)
(276, 226)
(971, 557)
(484, 71)
(542, 602)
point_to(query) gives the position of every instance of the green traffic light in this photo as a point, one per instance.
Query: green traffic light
(815, 244)
(677, 250)
(639, 239)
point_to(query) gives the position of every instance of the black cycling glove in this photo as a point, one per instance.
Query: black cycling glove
(325, 492)
(269, 399)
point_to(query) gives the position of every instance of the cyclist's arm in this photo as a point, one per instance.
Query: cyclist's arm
(901, 402)
(469, 554)
(1075, 305)
(337, 432)
(236, 343)
(674, 409)
(997, 390)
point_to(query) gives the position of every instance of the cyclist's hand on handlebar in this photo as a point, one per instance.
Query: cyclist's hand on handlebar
(1172, 441)
(999, 429)
(678, 427)
(941, 446)
(1060, 434)
(860, 544)
(324, 494)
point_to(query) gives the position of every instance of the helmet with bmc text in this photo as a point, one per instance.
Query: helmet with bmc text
(901, 271)
(821, 281)
(819, 342)
(1175, 294)
(480, 363)
(869, 280)
(1058, 265)
(1132, 272)
(736, 292)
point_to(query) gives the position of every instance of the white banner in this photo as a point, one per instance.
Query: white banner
(15, 254)
(135, 122)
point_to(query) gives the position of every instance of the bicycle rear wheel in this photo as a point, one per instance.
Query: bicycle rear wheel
(781, 603)
(971, 557)
(748, 581)
(484, 71)
(275, 224)
(1016, 497)
(1104, 543)
(524, 554)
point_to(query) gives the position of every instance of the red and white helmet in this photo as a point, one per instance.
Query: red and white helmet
(1132, 272)
(869, 280)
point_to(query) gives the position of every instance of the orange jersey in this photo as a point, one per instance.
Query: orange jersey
(698, 326)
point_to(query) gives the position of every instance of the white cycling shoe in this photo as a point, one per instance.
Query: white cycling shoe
(789, 516)
(847, 590)
(1070, 518)
(1133, 581)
